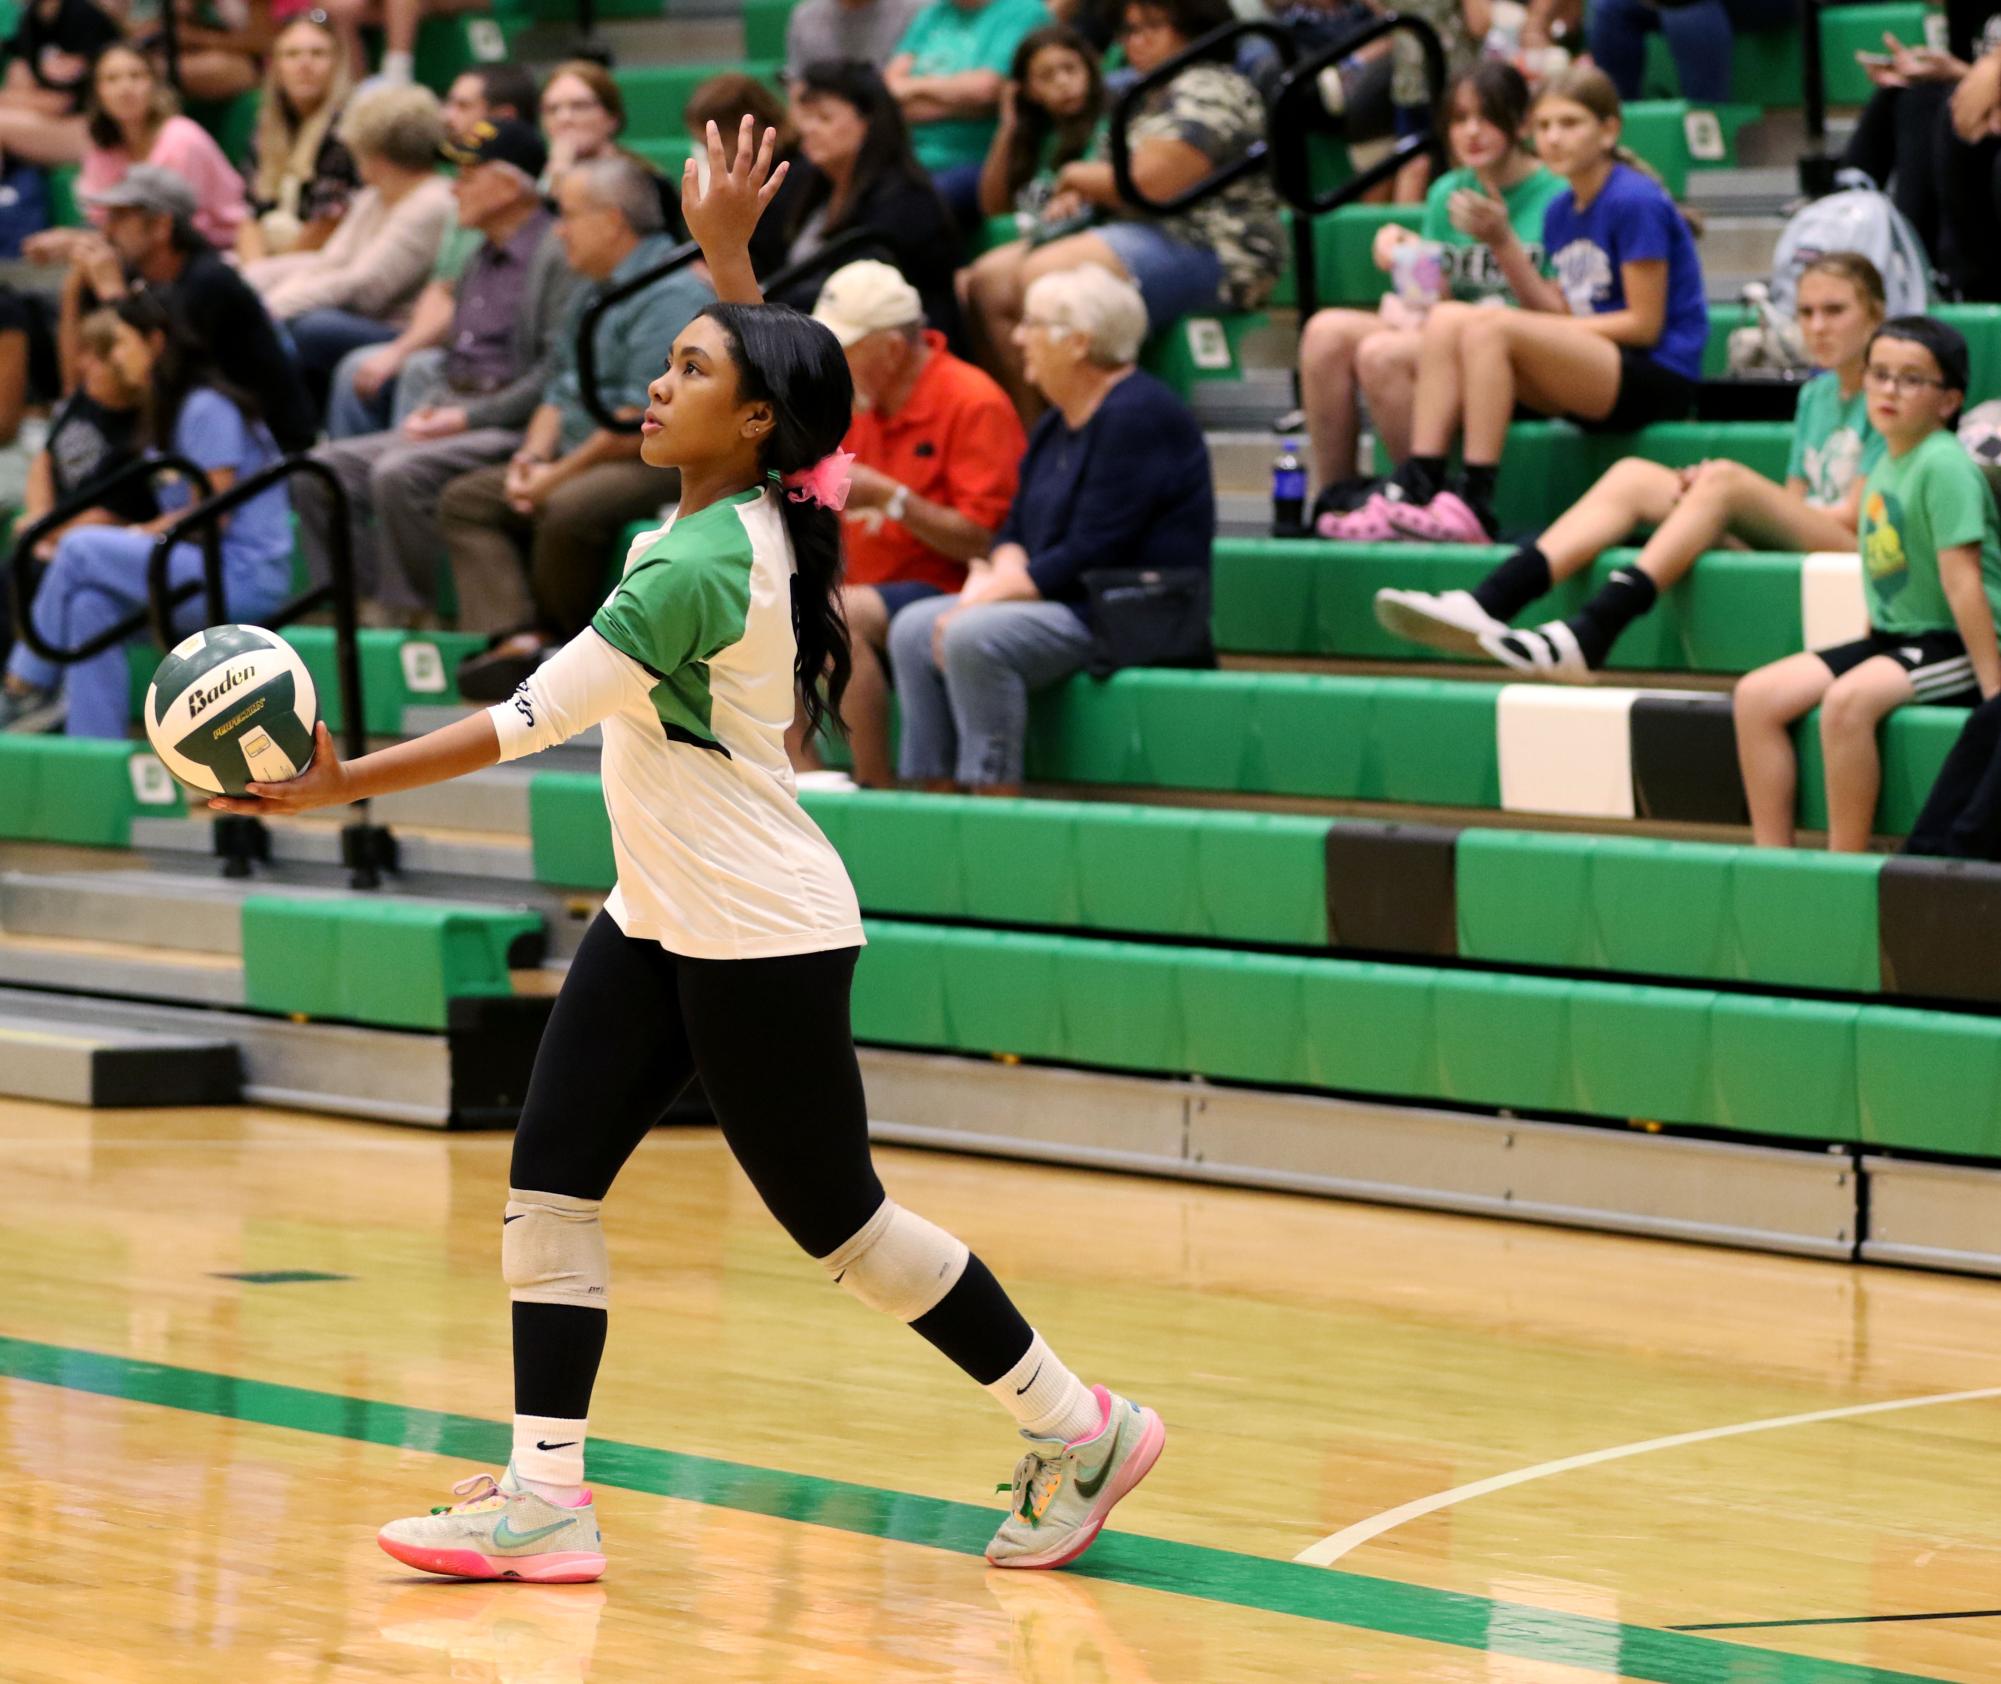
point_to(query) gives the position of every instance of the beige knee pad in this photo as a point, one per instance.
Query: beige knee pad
(898, 1263)
(552, 1250)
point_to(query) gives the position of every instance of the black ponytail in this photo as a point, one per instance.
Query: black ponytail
(791, 362)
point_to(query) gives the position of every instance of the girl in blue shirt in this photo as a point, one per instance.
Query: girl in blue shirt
(98, 574)
(1613, 340)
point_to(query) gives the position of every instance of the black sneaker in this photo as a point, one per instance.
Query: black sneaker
(32, 712)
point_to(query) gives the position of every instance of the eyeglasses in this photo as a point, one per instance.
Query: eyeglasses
(1902, 380)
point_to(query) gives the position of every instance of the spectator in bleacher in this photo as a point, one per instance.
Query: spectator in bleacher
(583, 115)
(1698, 35)
(48, 79)
(1970, 169)
(134, 118)
(362, 394)
(1613, 342)
(1224, 254)
(462, 397)
(1348, 354)
(99, 573)
(726, 100)
(947, 74)
(818, 31)
(1050, 111)
(1930, 542)
(398, 20)
(1461, 27)
(1690, 510)
(937, 449)
(92, 435)
(357, 289)
(149, 240)
(530, 540)
(1117, 476)
(301, 175)
(861, 175)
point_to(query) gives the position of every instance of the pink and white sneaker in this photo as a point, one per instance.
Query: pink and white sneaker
(1370, 524)
(1064, 1492)
(1447, 519)
(501, 1530)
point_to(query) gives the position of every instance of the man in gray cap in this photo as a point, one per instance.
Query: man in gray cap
(149, 238)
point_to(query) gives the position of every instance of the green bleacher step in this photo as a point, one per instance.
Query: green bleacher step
(1785, 1069)
(376, 959)
(656, 94)
(80, 790)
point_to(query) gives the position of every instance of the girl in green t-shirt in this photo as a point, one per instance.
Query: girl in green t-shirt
(1691, 510)
(1376, 350)
(1930, 542)
(1051, 109)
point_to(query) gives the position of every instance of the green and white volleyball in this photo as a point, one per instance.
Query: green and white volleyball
(231, 706)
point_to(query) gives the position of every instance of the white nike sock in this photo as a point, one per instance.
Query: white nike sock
(1046, 1398)
(399, 69)
(549, 1456)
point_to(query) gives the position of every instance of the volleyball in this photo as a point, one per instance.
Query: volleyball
(230, 706)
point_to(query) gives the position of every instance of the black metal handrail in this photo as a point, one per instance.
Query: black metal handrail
(25, 569)
(1196, 52)
(1816, 168)
(366, 849)
(587, 357)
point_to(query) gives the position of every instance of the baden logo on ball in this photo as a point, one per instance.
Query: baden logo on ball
(232, 706)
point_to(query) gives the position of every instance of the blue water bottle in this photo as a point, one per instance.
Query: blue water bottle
(1288, 492)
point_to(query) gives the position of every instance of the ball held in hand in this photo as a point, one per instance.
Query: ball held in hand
(231, 706)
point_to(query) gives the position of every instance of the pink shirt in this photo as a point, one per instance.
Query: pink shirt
(185, 148)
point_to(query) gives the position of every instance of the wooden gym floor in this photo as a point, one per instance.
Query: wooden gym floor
(1457, 1418)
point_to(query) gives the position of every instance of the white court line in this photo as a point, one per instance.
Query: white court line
(1331, 1549)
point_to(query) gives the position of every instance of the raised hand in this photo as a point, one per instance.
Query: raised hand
(723, 215)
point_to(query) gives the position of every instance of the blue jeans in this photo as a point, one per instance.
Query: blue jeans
(1174, 279)
(967, 719)
(1698, 36)
(99, 577)
(320, 338)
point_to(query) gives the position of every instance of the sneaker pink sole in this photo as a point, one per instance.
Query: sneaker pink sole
(562, 1567)
(1153, 1439)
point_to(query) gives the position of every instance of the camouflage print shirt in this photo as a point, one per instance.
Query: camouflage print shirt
(1462, 52)
(1213, 109)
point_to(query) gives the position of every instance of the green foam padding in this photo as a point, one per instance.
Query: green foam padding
(1193, 349)
(764, 23)
(1783, 1068)
(80, 790)
(231, 122)
(1343, 246)
(1639, 907)
(1207, 875)
(396, 963)
(398, 670)
(1737, 610)
(655, 94)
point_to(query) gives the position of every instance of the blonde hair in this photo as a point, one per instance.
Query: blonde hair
(1858, 272)
(288, 148)
(1107, 310)
(1590, 87)
(403, 125)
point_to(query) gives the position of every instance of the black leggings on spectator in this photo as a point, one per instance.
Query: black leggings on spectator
(1962, 815)
(1896, 144)
(770, 1040)
(1970, 185)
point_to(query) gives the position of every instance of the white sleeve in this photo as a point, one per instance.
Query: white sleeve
(584, 682)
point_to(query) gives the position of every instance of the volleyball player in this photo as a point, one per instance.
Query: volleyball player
(728, 945)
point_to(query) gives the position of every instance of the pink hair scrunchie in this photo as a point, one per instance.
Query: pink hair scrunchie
(825, 483)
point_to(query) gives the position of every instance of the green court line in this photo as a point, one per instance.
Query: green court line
(1191, 1570)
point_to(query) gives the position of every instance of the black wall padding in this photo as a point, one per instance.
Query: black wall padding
(1685, 760)
(1939, 928)
(1389, 888)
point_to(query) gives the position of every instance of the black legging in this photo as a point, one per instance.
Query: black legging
(1962, 815)
(770, 1039)
(1896, 143)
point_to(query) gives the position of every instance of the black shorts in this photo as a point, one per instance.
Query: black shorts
(1940, 669)
(1647, 393)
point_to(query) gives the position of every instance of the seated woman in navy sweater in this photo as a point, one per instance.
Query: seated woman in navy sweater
(1117, 475)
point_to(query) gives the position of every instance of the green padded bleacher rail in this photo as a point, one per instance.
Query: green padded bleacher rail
(398, 670)
(1737, 610)
(1765, 64)
(80, 791)
(656, 94)
(1789, 1069)
(375, 959)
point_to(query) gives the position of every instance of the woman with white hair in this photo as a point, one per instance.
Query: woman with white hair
(1117, 476)
(357, 288)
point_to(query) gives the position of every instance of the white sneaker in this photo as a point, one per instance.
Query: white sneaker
(500, 1530)
(1064, 1492)
(1449, 620)
(1550, 652)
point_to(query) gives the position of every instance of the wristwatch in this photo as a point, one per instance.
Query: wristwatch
(899, 500)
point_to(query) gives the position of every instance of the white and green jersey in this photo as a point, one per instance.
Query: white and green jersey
(1833, 443)
(688, 666)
